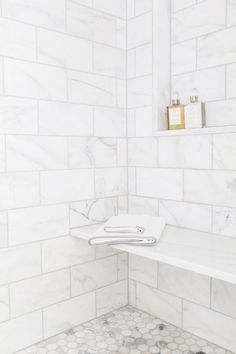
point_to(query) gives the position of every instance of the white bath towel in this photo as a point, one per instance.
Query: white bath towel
(138, 230)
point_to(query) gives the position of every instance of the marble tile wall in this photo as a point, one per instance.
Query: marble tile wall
(194, 302)
(204, 55)
(63, 163)
(190, 180)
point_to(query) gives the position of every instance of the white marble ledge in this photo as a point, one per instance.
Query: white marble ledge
(197, 131)
(200, 252)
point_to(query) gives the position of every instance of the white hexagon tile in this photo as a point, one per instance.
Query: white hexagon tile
(125, 331)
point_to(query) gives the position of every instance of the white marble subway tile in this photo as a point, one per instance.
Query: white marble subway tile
(132, 293)
(131, 63)
(110, 182)
(130, 9)
(131, 123)
(224, 151)
(141, 205)
(122, 152)
(86, 88)
(34, 80)
(231, 80)
(18, 116)
(68, 314)
(191, 216)
(63, 50)
(203, 18)
(165, 306)
(139, 30)
(92, 152)
(92, 211)
(65, 252)
(34, 153)
(224, 221)
(3, 230)
(121, 93)
(19, 190)
(20, 332)
(208, 48)
(121, 34)
(210, 84)
(65, 119)
(17, 40)
(17, 263)
(183, 57)
(223, 297)
(45, 13)
(109, 61)
(231, 14)
(221, 113)
(111, 297)
(109, 122)
(220, 187)
(122, 202)
(210, 325)
(90, 276)
(112, 7)
(142, 152)
(132, 181)
(123, 262)
(105, 251)
(143, 60)
(181, 4)
(91, 24)
(144, 121)
(68, 185)
(140, 91)
(185, 284)
(4, 304)
(160, 183)
(33, 294)
(143, 270)
(142, 6)
(39, 223)
(2, 154)
(185, 152)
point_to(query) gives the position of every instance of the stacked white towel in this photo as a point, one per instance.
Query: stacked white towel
(136, 230)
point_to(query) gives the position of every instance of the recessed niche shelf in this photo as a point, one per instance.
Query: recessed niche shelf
(200, 131)
(200, 252)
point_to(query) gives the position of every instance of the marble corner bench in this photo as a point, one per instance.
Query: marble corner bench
(200, 252)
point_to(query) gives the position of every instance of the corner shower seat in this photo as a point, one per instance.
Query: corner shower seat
(200, 252)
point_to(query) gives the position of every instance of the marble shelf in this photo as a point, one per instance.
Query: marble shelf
(200, 131)
(200, 252)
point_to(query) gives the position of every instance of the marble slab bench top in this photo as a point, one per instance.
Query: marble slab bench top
(200, 252)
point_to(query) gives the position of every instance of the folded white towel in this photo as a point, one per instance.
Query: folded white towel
(143, 230)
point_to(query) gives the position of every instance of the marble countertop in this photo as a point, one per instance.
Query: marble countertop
(200, 252)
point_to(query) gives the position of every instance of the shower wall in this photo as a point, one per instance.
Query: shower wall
(62, 161)
(188, 179)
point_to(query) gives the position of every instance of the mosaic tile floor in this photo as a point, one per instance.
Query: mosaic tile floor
(125, 331)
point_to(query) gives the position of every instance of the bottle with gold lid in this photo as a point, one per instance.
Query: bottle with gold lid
(194, 112)
(175, 114)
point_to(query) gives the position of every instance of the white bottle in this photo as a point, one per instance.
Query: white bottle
(194, 112)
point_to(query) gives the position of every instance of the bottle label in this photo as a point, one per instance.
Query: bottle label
(174, 116)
